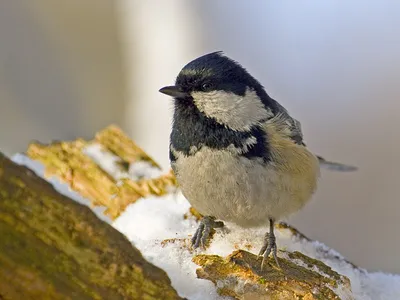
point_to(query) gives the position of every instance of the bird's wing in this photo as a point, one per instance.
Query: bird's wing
(287, 124)
(291, 128)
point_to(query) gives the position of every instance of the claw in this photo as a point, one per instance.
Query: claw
(269, 246)
(197, 236)
(203, 232)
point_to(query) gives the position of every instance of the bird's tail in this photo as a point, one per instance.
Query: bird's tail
(334, 166)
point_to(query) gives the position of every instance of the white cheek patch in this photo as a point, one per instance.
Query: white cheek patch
(236, 112)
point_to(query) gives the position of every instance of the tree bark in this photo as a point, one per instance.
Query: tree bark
(67, 161)
(52, 247)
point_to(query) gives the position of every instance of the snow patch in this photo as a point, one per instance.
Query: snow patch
(143, 169)
(106, 161)
(112, 164)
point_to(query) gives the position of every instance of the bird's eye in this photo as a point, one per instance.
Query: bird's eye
(206, 86)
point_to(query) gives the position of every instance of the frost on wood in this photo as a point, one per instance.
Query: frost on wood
(52, 247)
(72, 163)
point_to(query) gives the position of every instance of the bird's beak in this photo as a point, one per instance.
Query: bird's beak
(173, 91)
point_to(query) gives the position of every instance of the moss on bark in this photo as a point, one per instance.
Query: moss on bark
(239, 275)
(54, 248)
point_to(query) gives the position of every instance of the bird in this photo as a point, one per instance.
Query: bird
(237, 154)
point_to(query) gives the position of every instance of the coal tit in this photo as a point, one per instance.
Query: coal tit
(237, 153)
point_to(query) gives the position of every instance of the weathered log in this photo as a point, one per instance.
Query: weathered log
(239, 275)
(69, 162)
(52, 247)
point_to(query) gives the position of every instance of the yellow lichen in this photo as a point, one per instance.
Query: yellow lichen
(68, 161)
(240, 274)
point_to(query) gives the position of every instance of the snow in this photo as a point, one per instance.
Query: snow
(143, 169)
(110, 164)
(148, 222)
(106, 161)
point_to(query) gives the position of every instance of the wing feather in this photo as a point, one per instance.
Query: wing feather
(291, 128)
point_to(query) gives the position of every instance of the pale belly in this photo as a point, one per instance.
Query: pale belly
(242, 191)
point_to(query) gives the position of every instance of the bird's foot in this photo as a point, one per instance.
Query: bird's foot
(269, 247)
(203, 232)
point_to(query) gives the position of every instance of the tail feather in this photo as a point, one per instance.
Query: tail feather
(335, 166)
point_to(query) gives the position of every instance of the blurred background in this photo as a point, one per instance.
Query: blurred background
(68, 68)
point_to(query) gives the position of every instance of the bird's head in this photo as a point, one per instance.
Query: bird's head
(221, 89)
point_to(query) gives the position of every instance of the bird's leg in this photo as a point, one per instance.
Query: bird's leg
(203, 232)
(269, 245)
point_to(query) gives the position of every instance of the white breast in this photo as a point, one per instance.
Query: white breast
(246, 192)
